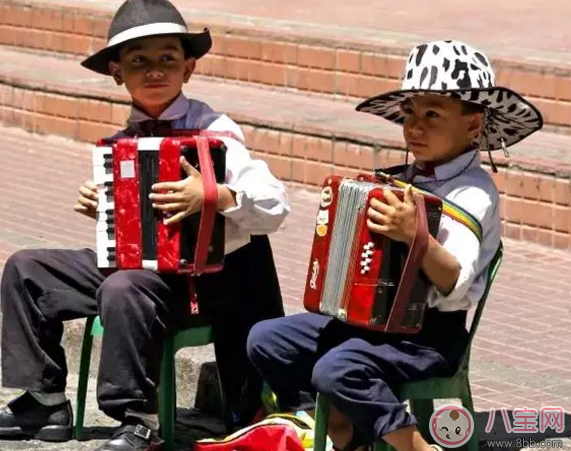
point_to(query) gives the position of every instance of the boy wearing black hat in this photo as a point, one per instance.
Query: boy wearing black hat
(450, 111)
(152, 53)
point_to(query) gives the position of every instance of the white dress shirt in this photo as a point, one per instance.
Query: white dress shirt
(262, 203)
(463, 182)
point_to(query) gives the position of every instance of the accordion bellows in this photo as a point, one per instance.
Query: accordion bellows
(130, 232)
(363, 278)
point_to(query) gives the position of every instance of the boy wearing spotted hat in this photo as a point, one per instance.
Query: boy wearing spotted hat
(450, 111)
(151, 52)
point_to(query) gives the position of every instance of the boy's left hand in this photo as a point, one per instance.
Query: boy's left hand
(182, 198)
(395, 219)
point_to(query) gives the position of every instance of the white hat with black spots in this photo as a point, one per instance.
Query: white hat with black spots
(454, 69)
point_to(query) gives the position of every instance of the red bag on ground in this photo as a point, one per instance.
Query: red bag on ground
(275, 433)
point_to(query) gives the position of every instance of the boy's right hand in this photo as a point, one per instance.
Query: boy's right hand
(87, 200)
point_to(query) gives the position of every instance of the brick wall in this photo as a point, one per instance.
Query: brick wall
(534, 206)
(345, 69)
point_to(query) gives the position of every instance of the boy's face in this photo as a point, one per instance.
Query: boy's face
(437, 129)
(153, 70)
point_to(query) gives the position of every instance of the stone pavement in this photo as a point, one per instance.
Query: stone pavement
(519, 355)
(531, 29)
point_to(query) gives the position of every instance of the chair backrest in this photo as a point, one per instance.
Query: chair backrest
(492, 271)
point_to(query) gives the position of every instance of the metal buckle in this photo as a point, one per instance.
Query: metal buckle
(142, 431)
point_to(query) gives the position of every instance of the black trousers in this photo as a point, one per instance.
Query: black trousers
(356, 369)
(42, 288)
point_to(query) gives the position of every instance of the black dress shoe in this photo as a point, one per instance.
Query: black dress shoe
(133, 436)
(26, 417)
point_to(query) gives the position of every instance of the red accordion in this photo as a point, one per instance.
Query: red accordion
(130, 232)
(363, 278)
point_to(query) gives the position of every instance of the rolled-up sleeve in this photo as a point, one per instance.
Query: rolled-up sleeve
(261, 199)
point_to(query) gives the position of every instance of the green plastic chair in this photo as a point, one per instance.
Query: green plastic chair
(421, 394)
(196, 336)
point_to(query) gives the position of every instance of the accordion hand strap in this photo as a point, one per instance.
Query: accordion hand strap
(209, 206)
(416, 252)
(448, 208)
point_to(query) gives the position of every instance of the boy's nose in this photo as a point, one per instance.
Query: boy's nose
(155, 73)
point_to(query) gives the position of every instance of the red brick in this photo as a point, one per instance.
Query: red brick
(243, 47)
(91, 132)
(278, 52)
(529, 233)
(8, 35)
(514, 210)
(348, 61)
(514, 184)
(563, 88)
(538, 214)
(22, 16)
(318, 57)
(316, 172)
(249, 132)
(315, 80)
(272, 74)
(529, 186)
(279, 166)
(513, 231)
(319, 149)
(562, 219)
(562, 240)
(546, 188)
(292, 76)
(298, 146)
(119, 114)
(562, 194)
(545, 237)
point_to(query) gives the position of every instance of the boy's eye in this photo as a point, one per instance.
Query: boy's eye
(168, 58)
(432, 114)
(407, 110)
(137, 59)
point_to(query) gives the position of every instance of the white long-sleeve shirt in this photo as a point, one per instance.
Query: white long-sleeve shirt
(262, 202)
(465, 183)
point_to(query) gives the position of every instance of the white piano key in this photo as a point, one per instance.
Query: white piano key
(104, 206)
(150, 264)
(153, 144)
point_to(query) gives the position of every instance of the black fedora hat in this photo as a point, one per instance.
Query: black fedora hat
(143, 18)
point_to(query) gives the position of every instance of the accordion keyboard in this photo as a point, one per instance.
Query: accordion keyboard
(103, 178)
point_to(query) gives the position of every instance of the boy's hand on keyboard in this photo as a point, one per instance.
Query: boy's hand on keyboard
(395, 219)
(179, 199)
(87, 200)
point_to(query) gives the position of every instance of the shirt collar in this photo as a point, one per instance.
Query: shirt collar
(177, 109)
(462, 163)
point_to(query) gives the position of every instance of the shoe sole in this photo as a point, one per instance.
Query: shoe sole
(45, 434)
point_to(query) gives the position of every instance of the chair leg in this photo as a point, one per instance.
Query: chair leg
(167, 396)
(321, 423)
(84, 365)
(466, 398)
(422, 409)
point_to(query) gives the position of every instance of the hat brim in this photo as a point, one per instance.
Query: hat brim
(196, 45)
(512, 118)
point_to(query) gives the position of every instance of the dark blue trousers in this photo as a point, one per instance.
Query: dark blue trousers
(356, 369)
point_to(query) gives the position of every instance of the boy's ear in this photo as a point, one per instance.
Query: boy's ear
(116, 72)
(475, 125)
(189, 66)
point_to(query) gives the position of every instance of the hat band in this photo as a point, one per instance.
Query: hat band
(146, 30)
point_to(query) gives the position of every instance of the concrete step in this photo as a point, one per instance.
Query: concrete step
(303, 137)
(345, 61)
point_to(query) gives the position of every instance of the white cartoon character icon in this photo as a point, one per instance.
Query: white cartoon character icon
(451, 425)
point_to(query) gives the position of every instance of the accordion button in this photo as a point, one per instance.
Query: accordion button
(368, 260)
(366, 268)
